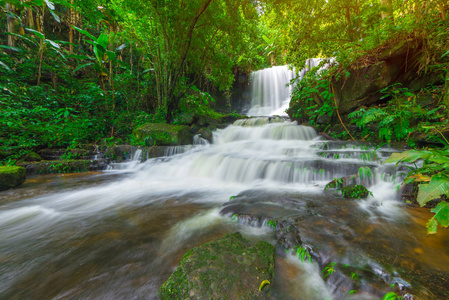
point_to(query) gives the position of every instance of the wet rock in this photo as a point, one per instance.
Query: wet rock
(288, 236)
(11, 177)
(155, 134)
(63, 166)
(119, 152)
(228, 268)
(206, 134)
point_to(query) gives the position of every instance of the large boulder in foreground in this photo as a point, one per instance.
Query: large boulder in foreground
(11, 177)
(161, 134)
(228, 268)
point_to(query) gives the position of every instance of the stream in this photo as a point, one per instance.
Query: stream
(119, 234)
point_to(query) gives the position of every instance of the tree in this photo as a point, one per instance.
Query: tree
(187, 40)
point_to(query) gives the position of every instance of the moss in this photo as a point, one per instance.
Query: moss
(161, 134)
(11, 177)
(230, 267)
(355, 191)
(32, 156)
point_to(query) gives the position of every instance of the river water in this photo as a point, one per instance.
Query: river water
(119, 234)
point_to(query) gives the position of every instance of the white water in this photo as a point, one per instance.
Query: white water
(260, 153)
(271, 88)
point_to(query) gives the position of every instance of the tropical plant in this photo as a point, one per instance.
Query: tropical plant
(432, 179)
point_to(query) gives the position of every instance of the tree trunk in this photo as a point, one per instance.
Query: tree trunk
(72, 22)
(10, 24)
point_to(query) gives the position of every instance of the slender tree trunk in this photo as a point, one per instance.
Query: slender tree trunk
(72, 22)
(10, 24)
(41, 58)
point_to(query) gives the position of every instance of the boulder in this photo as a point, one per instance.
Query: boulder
(32, 156)
(161, 134)
(355, 191)
(11, 177)
(231, 267)
(206, 134)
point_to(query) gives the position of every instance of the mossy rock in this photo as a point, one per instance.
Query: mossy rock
(63, 166)
(32, 156)
(355, 191)
(161, 134)
(228, 268)
(11, 177)
(206, 134)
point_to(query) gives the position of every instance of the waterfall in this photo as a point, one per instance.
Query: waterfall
(271, 88)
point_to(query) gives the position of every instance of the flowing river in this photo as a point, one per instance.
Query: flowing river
(119, 234)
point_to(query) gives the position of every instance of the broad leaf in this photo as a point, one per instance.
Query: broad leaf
(54, 45)
(420, 177)
(103, 40)
(408, 156)
(55, 16)
(439, 185)
(50, 5)
(121, 47)
(25, 38)
(12, 48)
(37, 33)
(82, 66)
(442, 213)
(84, 32)
(5, 66)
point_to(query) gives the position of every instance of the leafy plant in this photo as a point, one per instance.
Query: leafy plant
(432, 179)
(329, 269)
(356, 191)
(272, 223)
(302, 253)
(392, 296)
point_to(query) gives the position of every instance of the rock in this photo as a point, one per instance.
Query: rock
(63, 166)
(228, 268)
(32, 156)
(119, 152)
(161, 134)
(186, 118)
(355, 191)
(206, 134)
(11, 177)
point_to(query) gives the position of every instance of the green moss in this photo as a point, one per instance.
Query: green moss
(161, 134)
(11, 177)
(230, 267)
(355, 191)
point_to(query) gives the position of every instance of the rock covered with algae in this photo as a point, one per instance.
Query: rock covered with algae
(231, 267)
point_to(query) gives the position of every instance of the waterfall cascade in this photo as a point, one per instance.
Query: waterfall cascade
(271, 88)
(120, 234)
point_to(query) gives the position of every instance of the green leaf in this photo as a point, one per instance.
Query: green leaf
(53, 44)
(408, 156)
(84, 32)
(111, 55)
(442, 213)
(5, 66)
(55, 16)
(50, 5)
(103, 40)
(438, 185)
(37, 33)
(445, 54)
(24, 37)
(432, 226)
(12, 48)
(82, 66)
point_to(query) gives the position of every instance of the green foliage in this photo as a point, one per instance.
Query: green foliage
(302, 253)
(311, 97)
(272, 223)
(432, 179)
(328, 270)
(392, 296)
(337, 183)
(355, 191)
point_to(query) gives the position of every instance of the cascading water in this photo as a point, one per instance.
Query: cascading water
(120, 234)
(271, 88)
